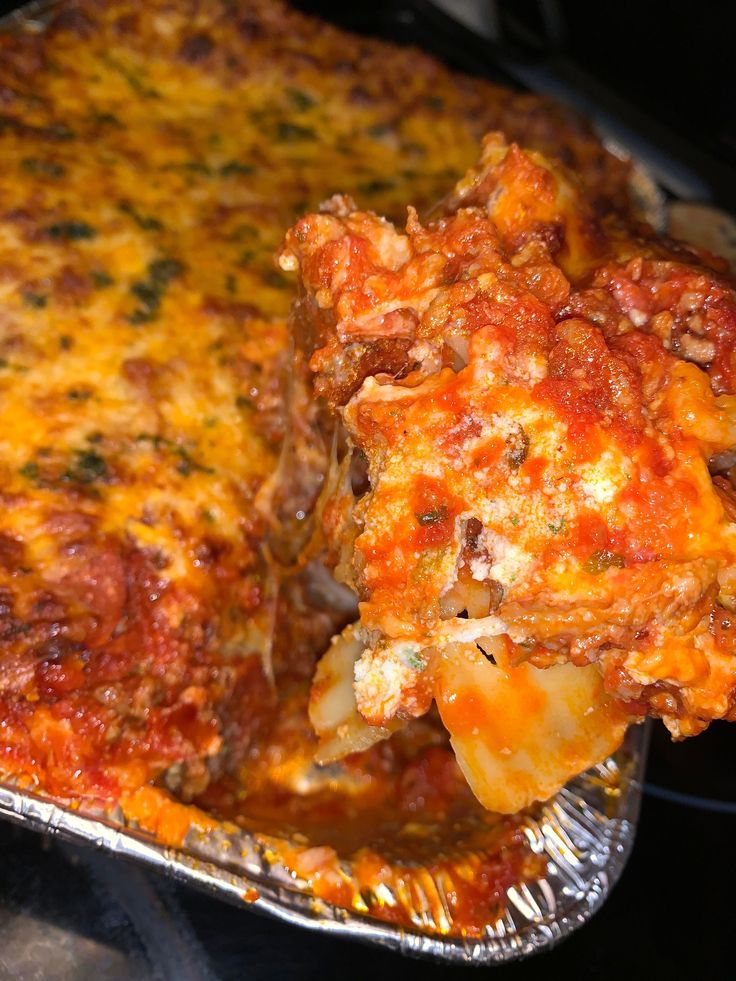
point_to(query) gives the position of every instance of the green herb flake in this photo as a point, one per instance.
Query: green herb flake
(197, 167)
(106, 119)
(150, 298)
(148, 223)
(30, 471)
(433, 517)
(70, 231)
(87, 467)
(60, 131)
(135, 81)
(287, 132)
(101, 280)
(189, 167)
(36, 301)
(154, 438)
(242, 231)
(42, 168)
(557, 528)
(411, 657)
(150, 291)
(162, 271)
(300, 99)
(603, 559)
(78, 394)
(234, 167)
(376, 186)
(381, 129)
(187, 465)
(275, 279)
(515, 520)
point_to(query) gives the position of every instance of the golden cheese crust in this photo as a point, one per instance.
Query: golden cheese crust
(537, 458)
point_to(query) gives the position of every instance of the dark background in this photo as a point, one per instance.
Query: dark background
(657, 76)
(663, 74)
(675, 61)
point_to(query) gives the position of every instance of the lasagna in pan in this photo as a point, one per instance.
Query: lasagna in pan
(495, 429)
(152, 159)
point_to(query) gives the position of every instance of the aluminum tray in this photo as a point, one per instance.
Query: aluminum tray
(585, 833)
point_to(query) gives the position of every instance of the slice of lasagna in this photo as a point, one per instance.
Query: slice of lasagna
(530, 399)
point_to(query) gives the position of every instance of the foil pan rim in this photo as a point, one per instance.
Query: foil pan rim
(242, 867)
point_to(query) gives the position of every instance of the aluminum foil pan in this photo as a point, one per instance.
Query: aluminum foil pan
(585, 834)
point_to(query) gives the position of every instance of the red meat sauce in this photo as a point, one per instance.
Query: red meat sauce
(111, 671)
(412, 820)
(677, 302)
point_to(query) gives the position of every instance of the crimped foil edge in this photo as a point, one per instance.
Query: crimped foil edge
(573, 825)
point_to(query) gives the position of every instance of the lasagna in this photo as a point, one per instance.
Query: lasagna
(530, 398)
(162, 601)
